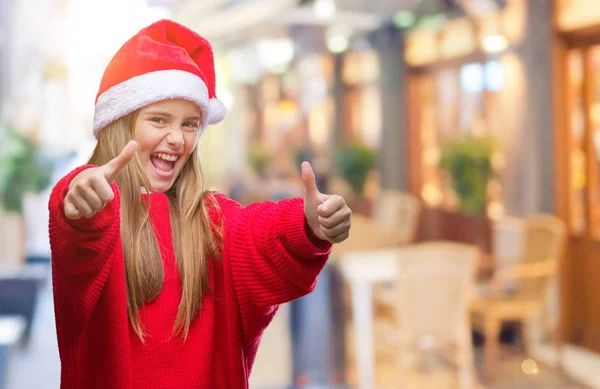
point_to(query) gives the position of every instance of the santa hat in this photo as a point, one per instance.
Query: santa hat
(162, 61)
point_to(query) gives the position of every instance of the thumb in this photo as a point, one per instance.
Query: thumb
(114, 167)
(310, 183)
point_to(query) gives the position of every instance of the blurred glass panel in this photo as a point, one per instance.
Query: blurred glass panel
(471, 78)
(353, 113)
(448, 88)
(494, 76)
(360, 73)
(455, 100)
(594, 149)
(577, 127)
(319, 122)
(371, 115)
(472, 83)
(431, 191)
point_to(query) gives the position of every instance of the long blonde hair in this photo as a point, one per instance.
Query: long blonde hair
(196, 238)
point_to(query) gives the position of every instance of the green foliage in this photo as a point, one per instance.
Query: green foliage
(355, 163)
(468, 162)
(23, 168)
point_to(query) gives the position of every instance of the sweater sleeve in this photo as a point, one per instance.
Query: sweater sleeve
(82, 250)
(273, 261)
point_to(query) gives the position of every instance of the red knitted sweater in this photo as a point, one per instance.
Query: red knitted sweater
(267, 259)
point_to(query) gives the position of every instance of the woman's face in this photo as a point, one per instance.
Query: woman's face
(167, 133)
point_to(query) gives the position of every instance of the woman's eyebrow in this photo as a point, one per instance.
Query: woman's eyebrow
(160, 113)
(166, 114)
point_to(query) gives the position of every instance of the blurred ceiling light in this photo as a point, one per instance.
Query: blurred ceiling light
(404, 19)
(338, 43)
(275, 54)
(495, 43)
(529, 367)
(324, 9)
(338, 38)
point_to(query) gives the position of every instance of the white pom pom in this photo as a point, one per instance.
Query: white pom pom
(216, 111)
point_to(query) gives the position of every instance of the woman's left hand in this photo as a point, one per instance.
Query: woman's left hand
(328, 216)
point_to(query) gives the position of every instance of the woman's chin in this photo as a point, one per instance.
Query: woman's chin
(160, 187)
(160, 182)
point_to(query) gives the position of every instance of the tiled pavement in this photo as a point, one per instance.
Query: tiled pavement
(510, 376)
(38, 366)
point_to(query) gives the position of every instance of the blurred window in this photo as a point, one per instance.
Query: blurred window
(452, 101)
(360, 74)
(578, 169)
(584, 140)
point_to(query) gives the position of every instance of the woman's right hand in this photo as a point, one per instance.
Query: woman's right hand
(90, 190)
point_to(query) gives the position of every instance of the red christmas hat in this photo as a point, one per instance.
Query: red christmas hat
(162, 61)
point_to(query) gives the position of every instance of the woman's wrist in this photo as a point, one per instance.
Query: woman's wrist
(314, 239)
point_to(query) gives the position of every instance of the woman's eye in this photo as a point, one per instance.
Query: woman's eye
(159, 121)
(191, 125)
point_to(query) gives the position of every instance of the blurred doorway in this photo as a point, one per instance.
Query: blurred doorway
(577, 166)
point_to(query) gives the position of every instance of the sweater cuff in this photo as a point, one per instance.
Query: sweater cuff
(100, 220)
(293, 233)
(316, 241)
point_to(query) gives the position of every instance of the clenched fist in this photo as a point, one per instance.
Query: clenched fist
(90, 190)
(328, 215)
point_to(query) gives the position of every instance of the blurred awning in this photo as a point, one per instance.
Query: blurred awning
(258, 36)
(228, 22)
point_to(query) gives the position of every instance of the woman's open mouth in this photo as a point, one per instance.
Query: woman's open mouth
(163, 163)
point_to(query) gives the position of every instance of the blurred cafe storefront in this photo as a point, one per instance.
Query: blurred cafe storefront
(467, 88)
(528, 76)
(576, 63)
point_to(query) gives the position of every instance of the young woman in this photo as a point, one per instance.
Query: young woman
(158, 282)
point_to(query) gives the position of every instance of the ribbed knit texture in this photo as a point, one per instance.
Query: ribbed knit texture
(267, 260)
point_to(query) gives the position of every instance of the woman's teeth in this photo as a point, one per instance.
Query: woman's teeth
(163, 162)
(166, 157)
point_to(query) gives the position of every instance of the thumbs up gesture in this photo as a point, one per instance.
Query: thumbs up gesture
(328, 216)
(90, 190)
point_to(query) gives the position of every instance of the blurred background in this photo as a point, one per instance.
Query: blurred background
(465, 135)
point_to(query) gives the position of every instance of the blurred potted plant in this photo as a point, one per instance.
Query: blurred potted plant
(355, 162)
(468, 163)
(23, 169)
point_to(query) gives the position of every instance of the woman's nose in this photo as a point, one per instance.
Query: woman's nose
(175, 138)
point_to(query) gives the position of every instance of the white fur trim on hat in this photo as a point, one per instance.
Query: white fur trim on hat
(216, 110)
(148, 88)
